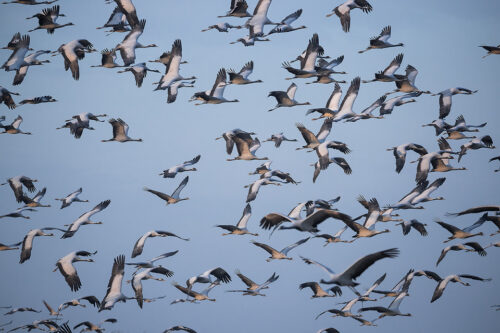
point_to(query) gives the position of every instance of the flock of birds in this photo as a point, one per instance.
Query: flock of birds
(306, 217)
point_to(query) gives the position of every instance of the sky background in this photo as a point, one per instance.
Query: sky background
(441, 40)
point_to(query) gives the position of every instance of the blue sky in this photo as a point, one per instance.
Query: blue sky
(441, 40)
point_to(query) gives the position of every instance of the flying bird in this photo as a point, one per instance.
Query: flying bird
(16, 184)
(241, 226)
(65, 266)
(146, 275)
(114, 292)
(215, 95)
(241, 77)
(74, 51)
(254, 289)
(129, 44)
(172, 172)
(381, 41)
(285, 24)
(47, 20)
(139, 244)
(344, 11)
(70, 198)
(282, 254)
(120, 131)
(438, 292)
(491, 50)
(347, 277)
(175, 197)
(458, 233)
(473, 247)
(85, 219)
(13, 128)
(445, 98)
(286, 98)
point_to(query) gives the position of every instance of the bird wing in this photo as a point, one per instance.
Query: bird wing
(247, 212)
(365, 262)
(246, 280)
(291, 91)
(220, 274)
(385, 34)
(474, 226)
(444, 105)
(419, 227)
(478, 209)
(246, 70)
(394, 65)
(325, 268)
(375, 285)
(334, 100)
(411, 74)
(161, 195)
(309, 61)
(313, 285)
(242, 145)
(294, 245)
(308, 136)
(181, 186)
(451, 228)
(351, 95)
(325, 129)
(128, 8)
(99, 207)
(477, 247)
(92, 300)
(265, 247)
(292, 17)
(164, 255)
(115, 281)
(443, 254)
(273, 220)
(219, 85)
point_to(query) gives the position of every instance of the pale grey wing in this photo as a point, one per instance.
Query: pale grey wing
(325, 129)
(432, 187)
(394, 65)
(411, 74)
(181, 186)
(273, 278)
(295, 212)
(397, 301)
(247, 212)
(294, 245)
(292, 17)
(246, 70)
(164, 255)
(193, 161)
(340, 232)
(99, 207)
(474, 226)
(385, 34)
(375, 285)
(291, 91)
(325, 268)
(334, 100)
(351, 94)
(378, 103)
